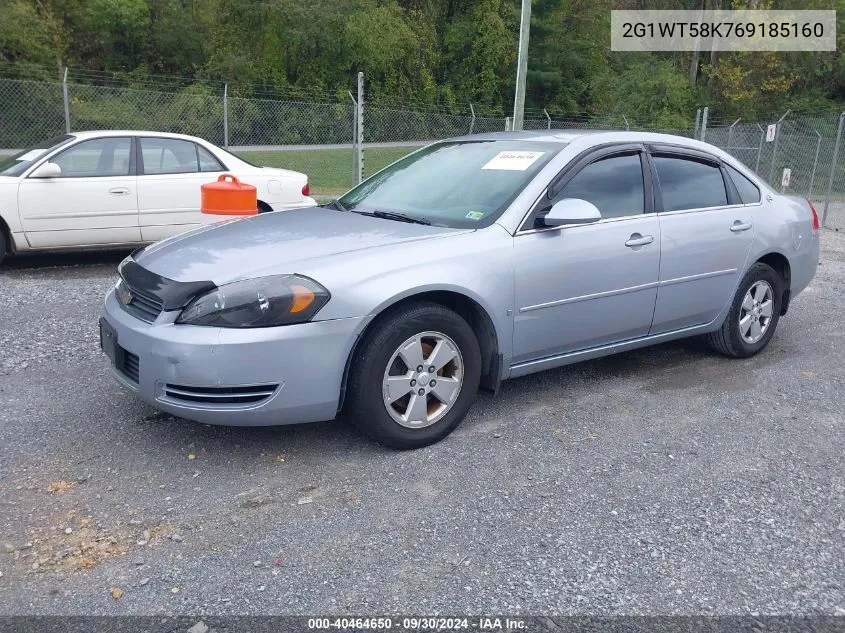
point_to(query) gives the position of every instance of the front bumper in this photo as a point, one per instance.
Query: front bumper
(298, 368)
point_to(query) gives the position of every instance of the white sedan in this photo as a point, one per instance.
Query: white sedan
(115, 188)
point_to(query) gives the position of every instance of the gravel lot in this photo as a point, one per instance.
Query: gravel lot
(663, 481)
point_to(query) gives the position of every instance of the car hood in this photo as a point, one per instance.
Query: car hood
(295, 241)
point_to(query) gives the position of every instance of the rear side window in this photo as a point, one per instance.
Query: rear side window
(689, 184)
(168, 156)
(207, 161)
(749, 193)
(614, 185)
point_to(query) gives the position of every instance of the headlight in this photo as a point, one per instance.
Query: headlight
(263, 302)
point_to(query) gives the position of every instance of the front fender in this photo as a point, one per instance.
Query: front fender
(9, 211)
(477, 265)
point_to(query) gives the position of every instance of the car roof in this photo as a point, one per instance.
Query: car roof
(98, 133)
(591, 135)
(584, 139)
(544, 136)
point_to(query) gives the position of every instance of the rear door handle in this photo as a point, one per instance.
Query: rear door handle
(119, 191)
(639, 240)
(739, 227)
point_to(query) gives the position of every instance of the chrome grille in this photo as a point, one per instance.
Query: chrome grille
(252, 394)
(131, 368)
(140, 305)
(145, 294)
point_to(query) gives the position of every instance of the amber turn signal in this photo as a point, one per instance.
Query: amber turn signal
(302, 298)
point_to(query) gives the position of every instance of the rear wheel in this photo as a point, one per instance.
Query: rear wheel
(263, 207)
(3, 250)
(754, 314)
(414, 377)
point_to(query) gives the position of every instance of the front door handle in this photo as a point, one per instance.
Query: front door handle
(739, 227)
(639, 240)
(119, 191)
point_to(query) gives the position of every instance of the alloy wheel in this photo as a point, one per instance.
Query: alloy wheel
(422, 380)
(755, 315)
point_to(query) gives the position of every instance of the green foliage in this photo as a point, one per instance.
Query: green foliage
(479, 51)
(448, 52)
(24, 35)
(651, 91)
(564, 62)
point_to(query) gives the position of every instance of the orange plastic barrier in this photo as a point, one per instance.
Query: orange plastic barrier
(229, 196)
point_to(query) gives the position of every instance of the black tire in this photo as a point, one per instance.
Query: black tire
(728, 340)
(366, 406)
(263, 207)
(2, 246)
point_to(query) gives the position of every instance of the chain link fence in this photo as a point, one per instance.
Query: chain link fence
(30, 112)
(805, 156)
(799, 156)
(267, 122)
(115, 108)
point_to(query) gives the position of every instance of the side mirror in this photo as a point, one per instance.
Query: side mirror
(47, 170)
(571, 211)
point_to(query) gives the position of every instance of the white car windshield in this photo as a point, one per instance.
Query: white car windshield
(459, 184)
(17, 164)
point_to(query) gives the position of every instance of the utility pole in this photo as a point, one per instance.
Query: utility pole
(522, 65)
(359, 122)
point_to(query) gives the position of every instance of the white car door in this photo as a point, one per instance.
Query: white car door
(171, 173)
(93, 202)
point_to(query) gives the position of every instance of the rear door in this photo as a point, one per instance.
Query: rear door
(171, 173)
(706, 234)
(94, 201)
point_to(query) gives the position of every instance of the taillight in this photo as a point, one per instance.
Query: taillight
(306, 189)
(816, 224)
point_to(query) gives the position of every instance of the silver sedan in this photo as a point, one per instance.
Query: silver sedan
(466, 263)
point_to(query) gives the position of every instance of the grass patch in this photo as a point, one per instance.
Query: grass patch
(329, 170)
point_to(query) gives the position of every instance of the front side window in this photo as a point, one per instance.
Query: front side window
(20, 162)
(97, 157)
(614, 185)
(749, 193)
(168, 156)
(686, 183)
(456, 184)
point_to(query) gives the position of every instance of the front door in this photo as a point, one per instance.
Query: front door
(94, 202)
(585, 286)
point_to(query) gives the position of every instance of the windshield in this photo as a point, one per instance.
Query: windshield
(458, 184)
(20, 162)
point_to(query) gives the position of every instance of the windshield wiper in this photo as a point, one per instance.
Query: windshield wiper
(337, 204)
(399, 217)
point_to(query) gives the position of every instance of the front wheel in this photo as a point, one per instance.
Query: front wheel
(414, 377)
(753, 316)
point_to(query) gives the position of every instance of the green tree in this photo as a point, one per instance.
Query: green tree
(29, 36)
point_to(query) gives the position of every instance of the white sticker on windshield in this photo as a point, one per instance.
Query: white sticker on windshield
(30, 155)
(513, 160)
